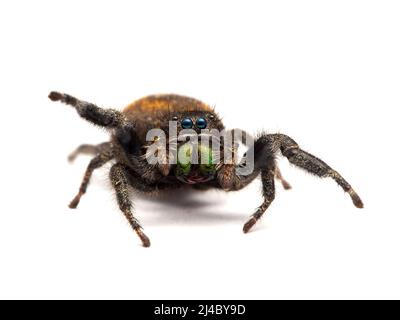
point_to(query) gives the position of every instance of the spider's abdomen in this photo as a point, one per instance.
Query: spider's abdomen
(154, 105)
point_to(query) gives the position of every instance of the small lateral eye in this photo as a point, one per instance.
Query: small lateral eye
(201, 123)
(211, 117)
(174, 118)
(187, 123)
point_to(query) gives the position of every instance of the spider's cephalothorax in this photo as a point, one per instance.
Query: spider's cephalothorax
(129, 146)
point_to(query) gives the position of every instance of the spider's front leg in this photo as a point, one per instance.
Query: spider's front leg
(268, 145)
(106, 118)
(306, 161)
(268, 187)
(119, 179)
(264, 150)
(229, 180)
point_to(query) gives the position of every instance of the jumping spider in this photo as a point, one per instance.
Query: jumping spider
(128, 143)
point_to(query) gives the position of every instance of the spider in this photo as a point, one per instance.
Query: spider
(128, 145)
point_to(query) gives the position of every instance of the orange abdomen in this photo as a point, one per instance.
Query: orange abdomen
(165, 103)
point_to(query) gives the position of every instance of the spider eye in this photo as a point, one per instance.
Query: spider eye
(201, 123)
(187, 123)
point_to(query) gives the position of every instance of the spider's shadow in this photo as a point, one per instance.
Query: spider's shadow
(191, 208)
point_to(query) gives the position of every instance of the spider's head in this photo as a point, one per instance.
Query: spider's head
(196, 163)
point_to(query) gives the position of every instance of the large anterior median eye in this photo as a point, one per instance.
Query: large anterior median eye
(201, 123)
(187, 123)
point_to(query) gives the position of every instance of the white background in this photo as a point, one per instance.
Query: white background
(326, 73)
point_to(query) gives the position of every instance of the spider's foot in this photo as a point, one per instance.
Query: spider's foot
(286, 185)
(356, 199)
(55, 96)
(143, 237)
(74, 203)
(72, 157)
(249, 224)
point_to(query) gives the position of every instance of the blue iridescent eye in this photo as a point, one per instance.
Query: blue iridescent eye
(201, 123)
(187, 123)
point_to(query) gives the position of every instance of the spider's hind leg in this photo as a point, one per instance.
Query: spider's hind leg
(278, 175)
(97, 162)
(89, 149)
